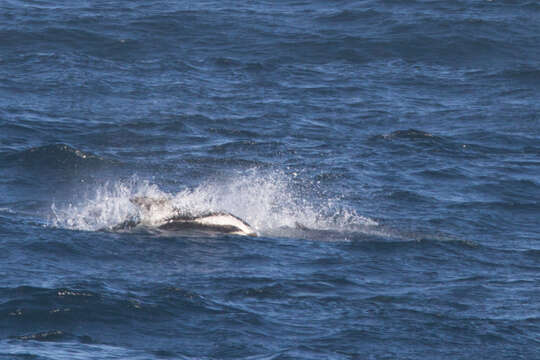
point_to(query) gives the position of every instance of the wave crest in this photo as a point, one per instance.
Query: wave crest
(55, 156)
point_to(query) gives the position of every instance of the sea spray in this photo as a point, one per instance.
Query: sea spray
(271, 201)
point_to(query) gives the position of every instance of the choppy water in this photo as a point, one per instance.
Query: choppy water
(404, 137)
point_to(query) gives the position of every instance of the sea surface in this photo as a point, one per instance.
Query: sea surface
(387, 153)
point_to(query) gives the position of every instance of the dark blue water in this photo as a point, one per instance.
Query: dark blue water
(386, 152)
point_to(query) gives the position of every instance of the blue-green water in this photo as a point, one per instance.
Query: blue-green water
(386, 152)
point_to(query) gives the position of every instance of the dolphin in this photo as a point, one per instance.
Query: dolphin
(218, 222)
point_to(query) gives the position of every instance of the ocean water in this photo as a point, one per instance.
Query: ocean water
(387, 153)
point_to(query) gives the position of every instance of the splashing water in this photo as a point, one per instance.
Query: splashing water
(266, 200)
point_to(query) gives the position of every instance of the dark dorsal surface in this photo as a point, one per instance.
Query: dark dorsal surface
(215, 222)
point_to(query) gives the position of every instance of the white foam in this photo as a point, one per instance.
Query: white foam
(270, 201)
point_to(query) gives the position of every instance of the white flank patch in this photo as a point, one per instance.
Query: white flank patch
(226, 220)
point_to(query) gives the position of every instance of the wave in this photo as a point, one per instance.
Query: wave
(343, 16)
(411, 134)
(57, 164)
(56, 344)
(54, 156)
(400, 140)
(470, 144)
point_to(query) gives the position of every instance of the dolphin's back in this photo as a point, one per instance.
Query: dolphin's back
(217, 221)
(176, 220)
